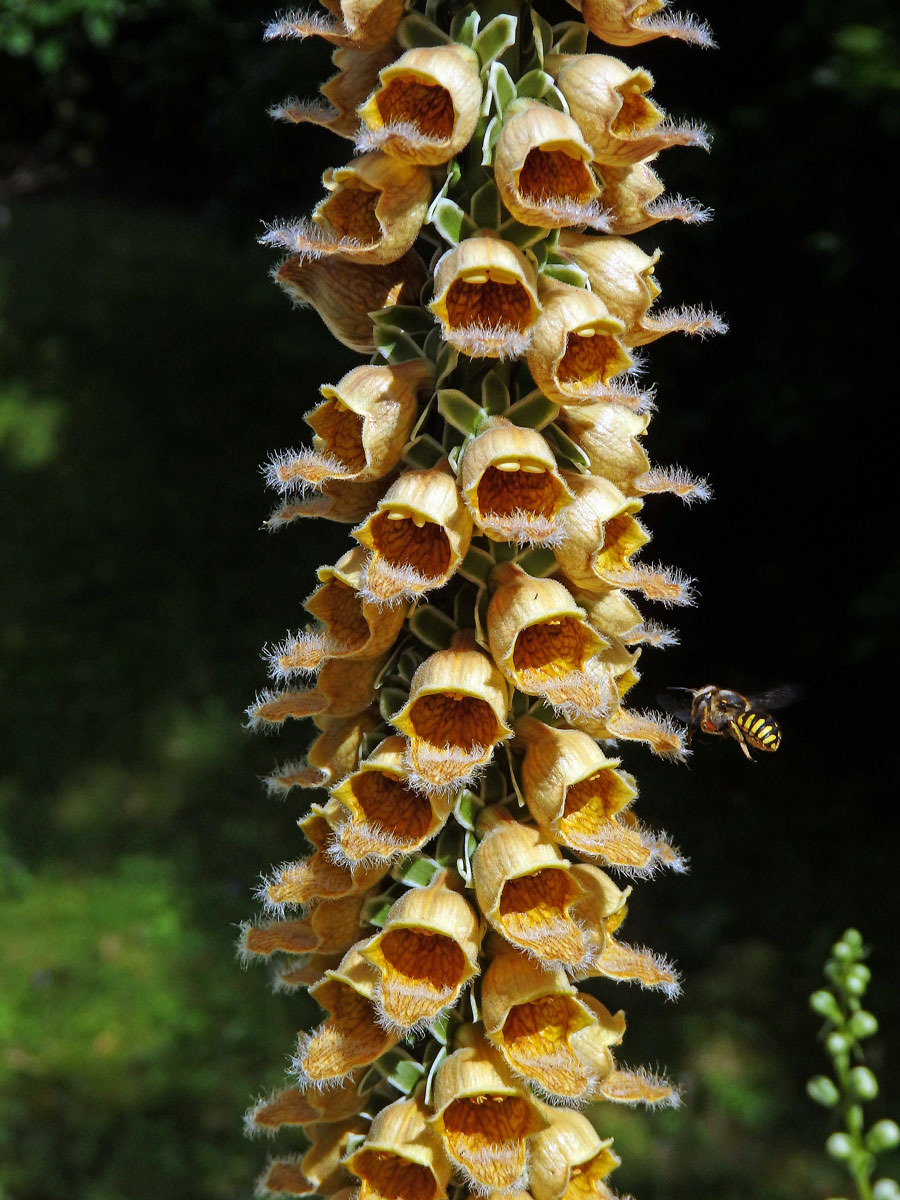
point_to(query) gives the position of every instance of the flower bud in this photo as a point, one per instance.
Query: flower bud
(884, 1135)
(823, 1091)
(840, 1146)
(863, 1083)
(862, 1025)
(824, 1003)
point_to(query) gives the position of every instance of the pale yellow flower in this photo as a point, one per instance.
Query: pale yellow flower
(330, 927)
(418, 536)
(455, 716)
(511, 485)
(299, 1106)
(364, 23)
(320, 1170)
(633, 196)
(569, 1159)
(426, 105)
(402, 1156)
(630, 22)
(485, 1118)
(344, 687)
(335, 500)
(333, 754)
(343, 293)
(426, 954)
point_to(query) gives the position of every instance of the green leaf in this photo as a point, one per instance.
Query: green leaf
(459, 410)
(411, 318)
(533, 411)
(494, 394)
(400, 1069)
(477, 565)
(439, 1058)
(391, 700)
(566, 273)
(496, 37)
(464, 26)
(395, 345)
(534, 85)
(502, 87)
(485, 208)
(423, 453)
(432, 626)
(467, 808)
(564, 448)
(450, 221)
(416, 30)
(415, 871)
(522, 236)
(446, 361)
(450, 845)
(570, 37)
(409, 662)
(537, 561)
(493, 787)
(375, 910)
(489, 141)
(543, 35)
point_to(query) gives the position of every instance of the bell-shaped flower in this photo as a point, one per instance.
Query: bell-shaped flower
(360, 427)
(426, 105)
(545, 646)
(550, 1035)
(418, 535)
(368, 24)
(609, 100)
(356, 77)
(632, 964)
(373, 213)
(664, 736)
(318, 877)
(576, 345)
(527, 891)
(402, 1157)
(309, 1106)
(631, 22)
(609, 436)
(485, 297)
(344, 687)
(334, 753)
(622, 275)
(633, 196)
(578, 797)
(569, 1159)
(330, 927)
(335, 500)
(380, 816)
(485, 1118)
(350, 1036)
(601, 535)
(426, 953)
(349, 625)
(615, 615)
(318, 1171)
(455, 716)
(344, 292)
(542, 168)
(511, 485)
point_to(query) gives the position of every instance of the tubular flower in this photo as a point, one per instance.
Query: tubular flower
(576, 347)
(511, 485)
(365, 23)
(477, 651)
(360, 427)
(548, 1034)
(545, 646)
(383, 817)
(485, 1118)
(426, 953)
(454, 717)
(609, 101)
(351, 1036)
(343, 293)
(418, 536)
(485, 298)
(528, 892)
(542, 168)
(569, 1159)
(426, 106)
(401, 1155)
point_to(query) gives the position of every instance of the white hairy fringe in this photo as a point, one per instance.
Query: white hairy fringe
(300, 25)
(689, 319)
(491, 341)
(683, 27)
(338, 854)
(273, 782)
(272, 655)
(260, 1191)
(679, 208)
(306, 238)
(281, 463)
(410, 584)
(373, 139)
(523, 528)
(654, 1080)
(298, 112)
(277, 909)
(305, 1081)
(677, 480)
(651, 634)
(251, 1129)
(564, 208)
(470, 771)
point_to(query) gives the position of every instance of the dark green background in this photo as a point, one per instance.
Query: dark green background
(148, 367)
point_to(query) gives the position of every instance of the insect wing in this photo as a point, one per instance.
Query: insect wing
(677, 701)
(776, 697)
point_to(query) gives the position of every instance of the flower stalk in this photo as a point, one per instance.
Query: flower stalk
(472, 835)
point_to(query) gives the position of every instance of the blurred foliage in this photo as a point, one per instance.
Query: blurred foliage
(147, 366)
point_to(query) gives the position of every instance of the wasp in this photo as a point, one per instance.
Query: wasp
(718, 711)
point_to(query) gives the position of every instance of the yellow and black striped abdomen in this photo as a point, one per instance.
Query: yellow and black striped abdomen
(760, 730)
